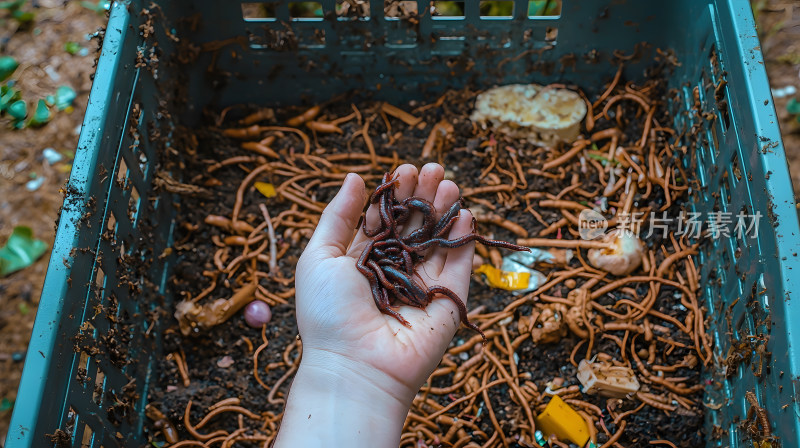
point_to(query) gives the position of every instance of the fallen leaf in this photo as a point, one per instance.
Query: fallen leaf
(64, 97)
(72, 47)
(18, 110)
(20, 251)
(41, 116)
(7, 67)
(8, 95)
(24, 309)
(793, 107)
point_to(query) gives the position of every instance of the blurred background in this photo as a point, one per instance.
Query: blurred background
(48, 53)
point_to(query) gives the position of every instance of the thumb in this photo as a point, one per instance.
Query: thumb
(339, 219)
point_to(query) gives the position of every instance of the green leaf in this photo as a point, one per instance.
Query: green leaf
(24, 309)
(13, 4)
(18, 110)
(6, 404)
(603, 160)
(64, 97)
(7, 96)
(7, 67)
(99, 7)
(41, 116)
(23, 17)
(449, 8)
(793, 106)
(543, 8)
(20, 251)
(72, 47)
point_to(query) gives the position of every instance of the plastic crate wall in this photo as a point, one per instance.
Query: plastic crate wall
(289, 60)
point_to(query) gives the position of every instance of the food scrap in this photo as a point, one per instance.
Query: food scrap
(541, 114)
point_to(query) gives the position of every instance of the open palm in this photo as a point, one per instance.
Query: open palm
(335, 310)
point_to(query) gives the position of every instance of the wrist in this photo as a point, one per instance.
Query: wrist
(334, 401)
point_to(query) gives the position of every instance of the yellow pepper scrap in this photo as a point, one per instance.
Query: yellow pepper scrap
(266, 189)
(510, 281)
(564, 422)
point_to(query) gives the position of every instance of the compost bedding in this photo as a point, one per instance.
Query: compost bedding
(218, 362)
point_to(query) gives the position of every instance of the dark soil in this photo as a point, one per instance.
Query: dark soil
(464, 159)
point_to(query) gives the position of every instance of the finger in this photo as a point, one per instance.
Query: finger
(406, 180)
(455, 276)
(458, 264)
(429, 178)
(407, 176)
(335, 229)
(446, 195)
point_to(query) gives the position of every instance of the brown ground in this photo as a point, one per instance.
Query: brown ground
(35, 49)
(20, 151)
(779, 30)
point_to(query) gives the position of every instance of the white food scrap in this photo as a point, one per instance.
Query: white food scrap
(543, 115)
(623, 255)
(607, 378)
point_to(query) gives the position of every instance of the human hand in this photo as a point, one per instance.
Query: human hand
(346, 339)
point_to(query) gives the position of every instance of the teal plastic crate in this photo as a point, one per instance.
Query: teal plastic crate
(76, 383)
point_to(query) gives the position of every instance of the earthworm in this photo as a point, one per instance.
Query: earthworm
(192, 429)
(487, 401)
(611, 441)
(309, 114)
(324, 128)
(611, 86)
(400, 114)
(652, 170)
(577, 147)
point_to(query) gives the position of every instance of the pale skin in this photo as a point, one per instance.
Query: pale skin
(361, 369)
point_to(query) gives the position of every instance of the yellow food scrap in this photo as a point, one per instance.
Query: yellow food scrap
(268, 190)
(564, 422)
(510, 281)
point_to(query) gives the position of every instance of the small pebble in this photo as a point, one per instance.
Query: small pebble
(781, 92)
(257, 313)
(52, 73)
(225, 362)
(35, 184)
(51, 155)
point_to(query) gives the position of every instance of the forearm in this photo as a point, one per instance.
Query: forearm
(333, 404)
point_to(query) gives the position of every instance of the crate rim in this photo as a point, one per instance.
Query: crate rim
(770, 150)
(30, 393)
